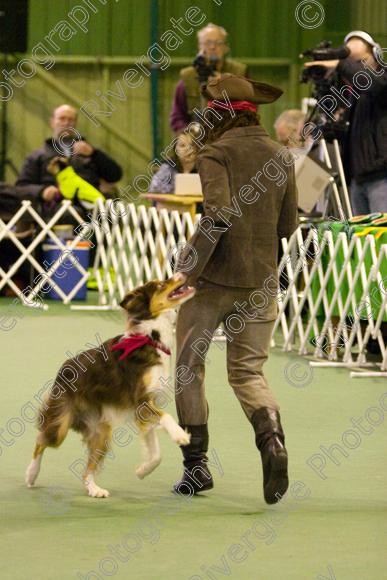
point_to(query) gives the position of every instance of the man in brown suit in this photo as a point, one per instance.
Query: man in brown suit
(250, 202)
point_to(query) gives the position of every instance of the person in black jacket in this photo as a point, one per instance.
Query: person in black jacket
(92, 164)
(364, 73)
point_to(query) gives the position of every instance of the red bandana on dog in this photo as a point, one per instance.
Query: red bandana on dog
(135, 341)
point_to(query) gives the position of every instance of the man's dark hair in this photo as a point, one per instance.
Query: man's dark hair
(240, 119)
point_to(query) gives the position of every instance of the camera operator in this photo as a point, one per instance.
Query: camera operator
(365, 145)
(212, 45)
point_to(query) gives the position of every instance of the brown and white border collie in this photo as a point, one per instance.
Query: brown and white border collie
(110, 390)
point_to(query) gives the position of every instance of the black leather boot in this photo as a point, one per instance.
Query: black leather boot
(196, 476)
(270, 440)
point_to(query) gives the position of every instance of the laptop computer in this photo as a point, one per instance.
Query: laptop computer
(188, 184)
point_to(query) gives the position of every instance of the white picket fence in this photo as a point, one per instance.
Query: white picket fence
(135, 247)
(38, 232)
(329, 308)
(341, 321)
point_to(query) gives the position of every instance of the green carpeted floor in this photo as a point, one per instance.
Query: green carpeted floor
(338, 530)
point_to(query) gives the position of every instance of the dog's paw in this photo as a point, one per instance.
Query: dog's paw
(31, 473)
(96, 491)
(146, 468)
(182, 437)
(141, 471)
(29, 479)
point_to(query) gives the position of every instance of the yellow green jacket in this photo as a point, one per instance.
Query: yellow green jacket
(71, 184)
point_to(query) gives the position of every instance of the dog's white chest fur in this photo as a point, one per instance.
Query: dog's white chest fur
(163, 325)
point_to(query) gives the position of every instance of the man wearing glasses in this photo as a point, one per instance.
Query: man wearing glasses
(212, 44)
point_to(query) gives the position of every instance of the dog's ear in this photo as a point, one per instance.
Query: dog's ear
(62, 162)
(126, 301)
(137, 302)
(57, 164)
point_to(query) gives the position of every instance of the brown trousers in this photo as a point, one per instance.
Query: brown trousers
(247, 346)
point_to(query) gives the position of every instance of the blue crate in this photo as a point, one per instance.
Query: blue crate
(67, 275)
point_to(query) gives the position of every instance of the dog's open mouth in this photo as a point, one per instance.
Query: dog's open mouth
(182, 291)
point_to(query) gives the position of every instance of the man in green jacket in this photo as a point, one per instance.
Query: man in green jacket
(212, 44)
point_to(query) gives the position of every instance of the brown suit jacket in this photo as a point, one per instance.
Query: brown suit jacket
(242, 171)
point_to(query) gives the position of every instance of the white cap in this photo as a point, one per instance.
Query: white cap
(361, 34)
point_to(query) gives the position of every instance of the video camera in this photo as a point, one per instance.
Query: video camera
(322, 51)
(205, 67)
(323, 80)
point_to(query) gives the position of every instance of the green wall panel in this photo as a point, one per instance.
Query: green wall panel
(257, 28)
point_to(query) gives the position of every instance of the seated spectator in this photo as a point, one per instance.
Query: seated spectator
(212, 44)
(183, 161)
(288, 127)
(92, 164)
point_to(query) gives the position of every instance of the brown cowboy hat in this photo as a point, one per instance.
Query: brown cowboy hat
(239, 88)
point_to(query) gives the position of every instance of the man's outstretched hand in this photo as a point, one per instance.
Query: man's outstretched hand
(323, 63)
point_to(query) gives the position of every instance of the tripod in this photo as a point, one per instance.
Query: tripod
(332, 193)
(333, 190)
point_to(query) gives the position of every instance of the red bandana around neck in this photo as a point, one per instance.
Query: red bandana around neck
(136, 341)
